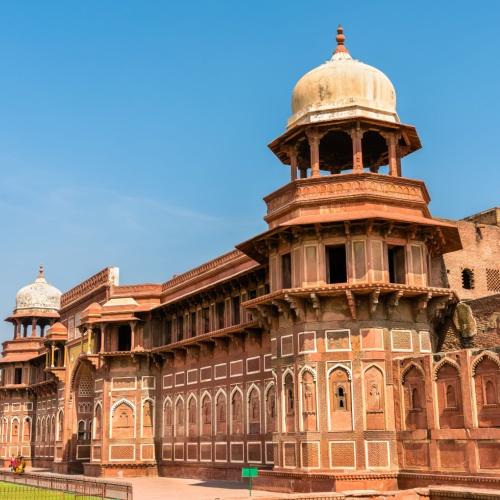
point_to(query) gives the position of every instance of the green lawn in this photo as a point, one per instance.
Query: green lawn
(12, 491)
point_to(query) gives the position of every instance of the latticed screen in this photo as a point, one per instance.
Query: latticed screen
(493, 280)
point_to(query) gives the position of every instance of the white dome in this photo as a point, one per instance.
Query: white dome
(343, 88)
(39, 295)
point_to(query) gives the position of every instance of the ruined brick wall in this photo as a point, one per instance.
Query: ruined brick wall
(486, 312)
(481, 255)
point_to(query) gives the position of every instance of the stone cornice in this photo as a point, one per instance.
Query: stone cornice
(102, 278)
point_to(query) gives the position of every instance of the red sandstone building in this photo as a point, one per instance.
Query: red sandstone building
(354, 344)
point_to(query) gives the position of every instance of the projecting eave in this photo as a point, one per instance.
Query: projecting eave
(449, 231)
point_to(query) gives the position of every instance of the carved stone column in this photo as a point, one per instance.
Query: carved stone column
(357, 150)
(132, 335)
(33, 327)
(89, 340)
(52, 348)
(314, 138)
(103, 332)
(292, 154)
(393, 155)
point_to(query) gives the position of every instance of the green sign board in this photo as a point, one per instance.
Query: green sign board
(249, 472)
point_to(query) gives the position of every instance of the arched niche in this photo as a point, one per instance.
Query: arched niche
(415, 408)
(486, 372)
(340, 393)
(449, 398)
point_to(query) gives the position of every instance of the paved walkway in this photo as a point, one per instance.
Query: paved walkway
(167, 488)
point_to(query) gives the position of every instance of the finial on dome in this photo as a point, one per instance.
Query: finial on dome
(41, 271)
(340, 40)
(341, 51)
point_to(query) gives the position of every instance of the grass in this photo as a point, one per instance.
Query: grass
(12, 491)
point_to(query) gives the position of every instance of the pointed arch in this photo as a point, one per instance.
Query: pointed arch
(289, 400)
(52, 434)
(308, 398)
(270, 413)
(413, 391)
(206, 412)
(122, 421)
(253, 406)
(236, 407)
(486, 381)
(441, 364)
(27, 429)
(192, 415)
(179, 416)
(38, 436)
(484, 355)
(340, 398)
(221, 411)
(147, 417)
(15, 429)
(408, 367)
(167, 417)
(374, 397)
(59, 424)
(97, 417)
(448, 397)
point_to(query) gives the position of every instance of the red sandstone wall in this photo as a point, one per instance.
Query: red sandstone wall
(480, 254)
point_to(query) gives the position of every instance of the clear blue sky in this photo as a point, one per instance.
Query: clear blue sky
(134, 133)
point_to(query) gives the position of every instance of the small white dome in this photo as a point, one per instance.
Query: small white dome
(343, 88)
(39, 295)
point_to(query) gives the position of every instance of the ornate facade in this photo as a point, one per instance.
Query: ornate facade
(336, 350)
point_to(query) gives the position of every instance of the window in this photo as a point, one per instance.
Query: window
(490, 393)
(220, 307)
(397, 268)
(451, 398)
(180, 327)
(18, 375)
(336, 264)
(340, 398)
(193, 324)
(205, 315)
(81, 431)
(168, 331)
(467, 279)
(286, 270)
(235, 303)
(290, 403)
(124, 338)
(415, 399)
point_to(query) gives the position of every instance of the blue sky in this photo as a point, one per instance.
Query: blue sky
(134, 133)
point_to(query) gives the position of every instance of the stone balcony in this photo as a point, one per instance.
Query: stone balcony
(347, 196)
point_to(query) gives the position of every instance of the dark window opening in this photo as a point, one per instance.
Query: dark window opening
(124, 338)
(336, 264)
(286, 270)
(193, 324)
(168, 331)
(252, 294)
(415, 399)
(451, 399)
(205, 314)
(467, 279)
(81, 431)
(220, 307)
(340, 397)
(235, 301)
(180, 327)
(18, 375)
(397, 269)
